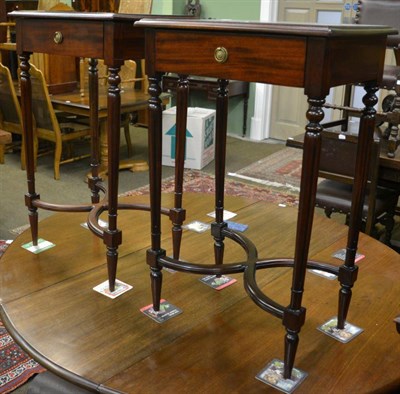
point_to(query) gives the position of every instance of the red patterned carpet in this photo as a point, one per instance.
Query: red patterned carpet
(200, 182)
(16, 367)
(281, 170)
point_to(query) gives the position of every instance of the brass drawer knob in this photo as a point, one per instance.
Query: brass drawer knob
(221, 54)
(58, 37)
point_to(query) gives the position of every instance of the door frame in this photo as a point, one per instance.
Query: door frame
(260, 121)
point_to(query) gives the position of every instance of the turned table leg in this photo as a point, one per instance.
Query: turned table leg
(26, 108)
(155, 156)
(220, 158)
(294, 314)
(112, 235)
(348, 271)
(177, 214)
(95, 179)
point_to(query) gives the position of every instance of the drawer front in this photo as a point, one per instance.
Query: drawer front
(73, 38)
(252, 58)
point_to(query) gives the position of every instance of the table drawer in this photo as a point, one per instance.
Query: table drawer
(61, 38)
(200, 53)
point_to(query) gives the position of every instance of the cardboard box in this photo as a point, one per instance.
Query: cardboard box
(200, 137)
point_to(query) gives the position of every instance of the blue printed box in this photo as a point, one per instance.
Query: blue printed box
(200, 137)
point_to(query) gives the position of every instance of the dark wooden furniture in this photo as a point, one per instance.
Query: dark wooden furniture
(60, 71)
(337, 165)
(384, 12)
(7, 49)
(313, 57)
(221, 340)
(389, 168)
(107, 36)
(210, 87)
(95, 5)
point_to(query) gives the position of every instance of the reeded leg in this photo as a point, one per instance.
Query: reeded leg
(177, 214)
(294, 314)
(348, 271)
(95, 179)
(113, 236)
(26, 107)
(220, 156)
(155, 152)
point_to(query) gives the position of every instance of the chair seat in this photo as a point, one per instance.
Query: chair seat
(337, 196)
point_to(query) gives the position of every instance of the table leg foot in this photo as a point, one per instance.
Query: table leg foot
(291, 343)
(112, 260)
(155, 275)
(272, 375)
(347, 277)
(33, 216)
(344, 335)
(156, 284)
(112, 239)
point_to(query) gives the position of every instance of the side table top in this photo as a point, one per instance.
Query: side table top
(297, 29)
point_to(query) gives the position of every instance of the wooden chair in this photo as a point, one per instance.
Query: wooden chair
(139, 118)
(128, 75)
(337, 166)
(10, 110)
(382, 12)
(135, 6)
(102, 72)
(54, 5)
(5, 138)
(8, 45)
(47, 126)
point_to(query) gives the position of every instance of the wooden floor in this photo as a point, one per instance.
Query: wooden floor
(222, 339)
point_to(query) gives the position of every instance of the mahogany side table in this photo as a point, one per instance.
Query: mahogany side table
(309, 56)
(107, 36)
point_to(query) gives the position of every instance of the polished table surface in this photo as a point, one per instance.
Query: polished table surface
(221, 340)
(75, 103)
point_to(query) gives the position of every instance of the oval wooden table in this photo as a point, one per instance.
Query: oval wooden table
(222, 339)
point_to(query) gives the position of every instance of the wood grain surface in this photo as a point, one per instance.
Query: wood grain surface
(221, 340)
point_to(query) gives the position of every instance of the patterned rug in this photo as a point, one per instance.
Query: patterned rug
(201, 182)
(281, 170)
(16, 367)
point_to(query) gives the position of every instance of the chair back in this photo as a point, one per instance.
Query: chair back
(10, 110)
(46, 123)
(338, 157)
(46, 5)
(338, 163)
(380, 12)
(42, 108)
(135, 6)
